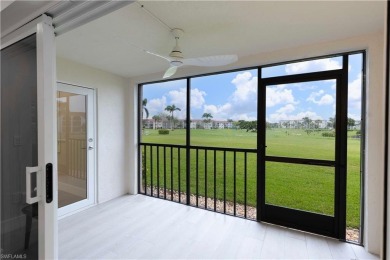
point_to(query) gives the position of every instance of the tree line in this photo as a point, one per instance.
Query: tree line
(250, 126)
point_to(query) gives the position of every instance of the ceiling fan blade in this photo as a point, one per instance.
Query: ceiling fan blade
(170, 72)
(211, 61)
(158, 55)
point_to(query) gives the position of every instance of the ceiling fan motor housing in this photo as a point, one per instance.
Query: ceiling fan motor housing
(176, 51)
(176, 63)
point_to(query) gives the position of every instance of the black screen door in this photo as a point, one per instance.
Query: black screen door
(302, 166)
(19, 148)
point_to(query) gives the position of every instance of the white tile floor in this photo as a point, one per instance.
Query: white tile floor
(142, 227)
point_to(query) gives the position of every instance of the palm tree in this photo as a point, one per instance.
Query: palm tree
(156, 118)
(172, 108)
(307, 121)
(332, 122)
(230, 121)
(318, 123)
(144, 102)
(207, 117)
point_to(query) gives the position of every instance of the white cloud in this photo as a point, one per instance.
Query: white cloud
(355, 89)
(286, 109)
(219, 112)
(179, 97)
(244, 116)
(355, 93)
(354, 116)
(313, 65)
(326, 100)
(197, 98)
(156, 105)
(276, 117)
(242, 78)
(246, 87)
(279, 95)
(323, 99)
(285, 113)
(313, 95)
(241, 104)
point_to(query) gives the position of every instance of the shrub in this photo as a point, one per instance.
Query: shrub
(163, 132)
(329, 134)
(358, 132)
(308, 131)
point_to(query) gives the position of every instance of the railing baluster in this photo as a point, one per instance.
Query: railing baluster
(205, 178)
(197, 176)
(84, 161)
(171, 173)
(151, 170)
(73, 160)
(215, 180)
(69, 157)
(245, 180)
(234, 182)
(158, 171)
(78, 158)
(224, 182)
(149, 159)
(165, 172)
(145, 169)
(178, 172)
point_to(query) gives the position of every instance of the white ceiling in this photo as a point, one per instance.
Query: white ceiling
(213, 28)
(4, 4)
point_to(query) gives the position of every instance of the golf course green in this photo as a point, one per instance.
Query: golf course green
(303, 187)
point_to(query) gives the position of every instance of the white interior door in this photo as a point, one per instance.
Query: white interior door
(76, 148)
(28, 143)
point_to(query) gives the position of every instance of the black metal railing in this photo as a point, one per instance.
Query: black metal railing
(213, 178)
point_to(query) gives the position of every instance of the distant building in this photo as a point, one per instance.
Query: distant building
(300, 124)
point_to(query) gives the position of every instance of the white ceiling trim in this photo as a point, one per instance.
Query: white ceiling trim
(67, 15)
(19, 13)
(70, 15)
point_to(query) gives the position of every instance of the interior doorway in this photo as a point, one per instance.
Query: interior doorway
(76, 147)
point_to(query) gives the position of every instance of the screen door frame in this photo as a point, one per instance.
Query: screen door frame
(332, 226)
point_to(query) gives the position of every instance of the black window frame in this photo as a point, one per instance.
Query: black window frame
(258, 149)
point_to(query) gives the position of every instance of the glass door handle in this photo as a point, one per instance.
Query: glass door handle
(29, 170)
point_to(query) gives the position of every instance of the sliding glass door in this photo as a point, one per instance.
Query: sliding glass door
(19, 147)
(28, 179)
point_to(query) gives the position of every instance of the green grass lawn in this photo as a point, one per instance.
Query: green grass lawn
(303, 187)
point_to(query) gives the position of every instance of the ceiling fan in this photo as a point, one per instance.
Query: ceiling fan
(176, 58)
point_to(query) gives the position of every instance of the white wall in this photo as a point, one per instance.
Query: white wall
(112, 148)
(374, 172)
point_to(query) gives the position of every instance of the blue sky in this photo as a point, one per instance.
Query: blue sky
(234, 95)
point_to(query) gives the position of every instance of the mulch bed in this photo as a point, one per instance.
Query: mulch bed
(227, 208)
